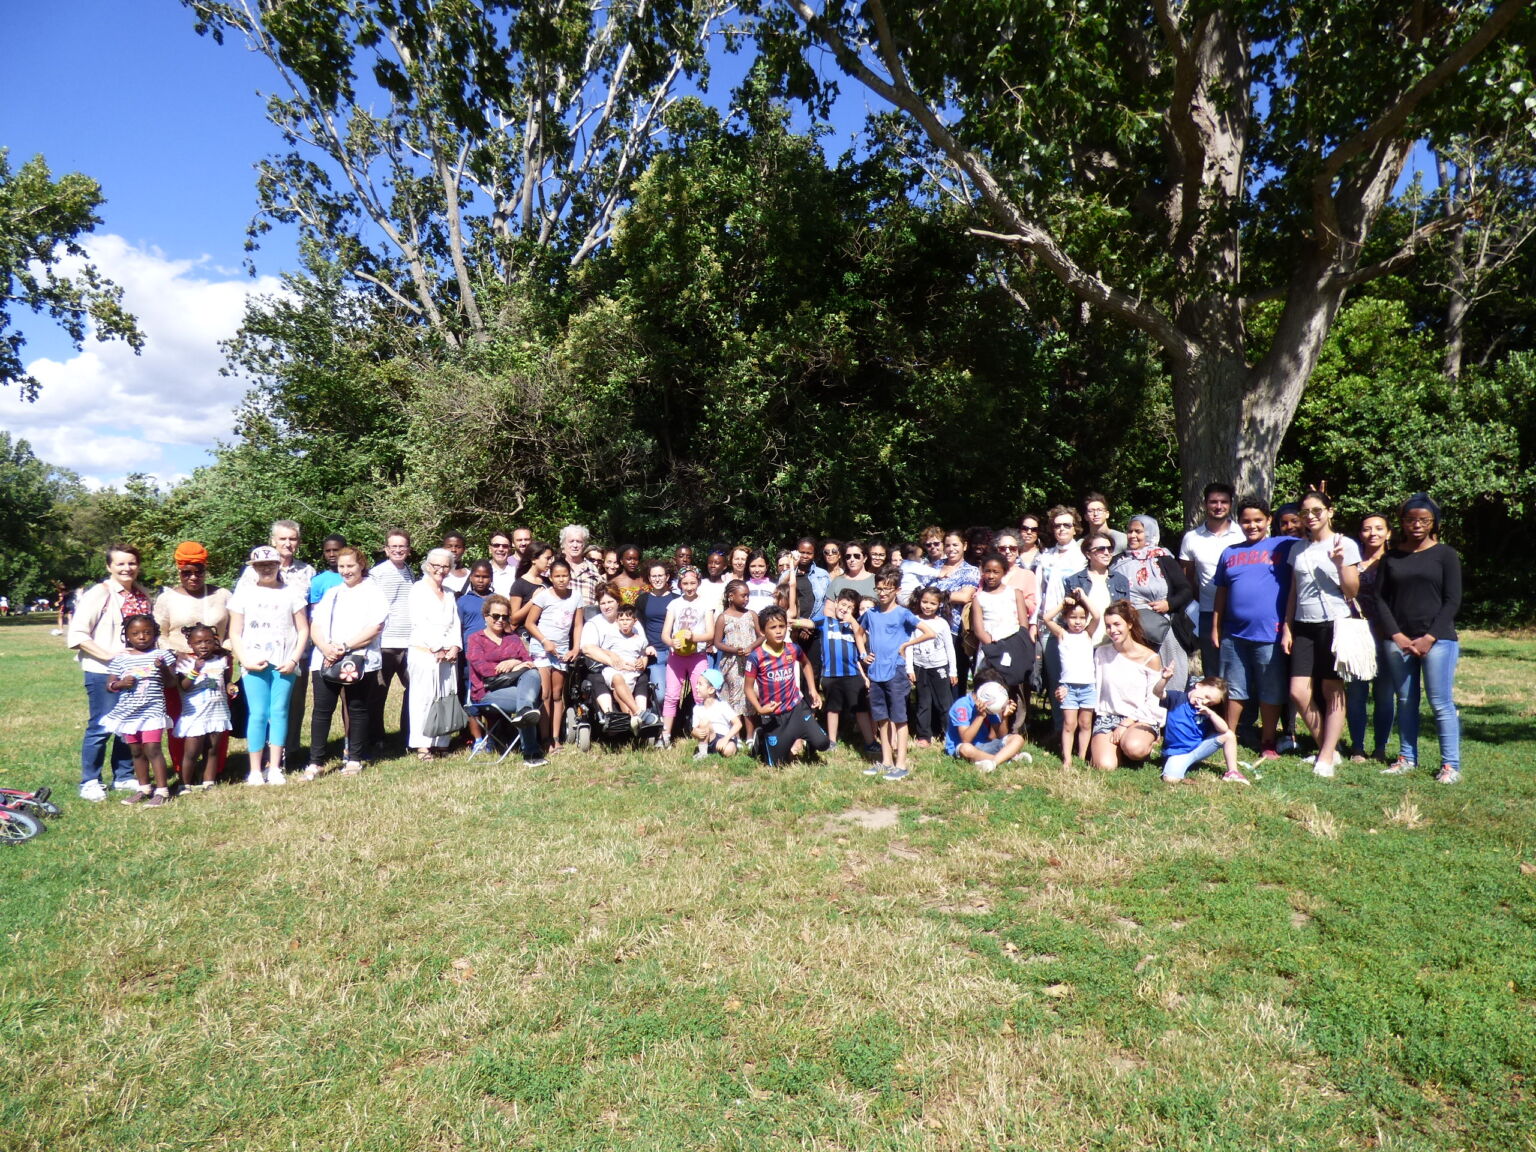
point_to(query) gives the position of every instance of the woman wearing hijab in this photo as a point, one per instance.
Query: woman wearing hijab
(1158, 585)
(1417, 600)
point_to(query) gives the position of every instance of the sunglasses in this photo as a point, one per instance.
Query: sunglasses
(1007, 547)
(1029, 527)
(854, 555)
(1064, 524)
(1101, 548)
(497, 616)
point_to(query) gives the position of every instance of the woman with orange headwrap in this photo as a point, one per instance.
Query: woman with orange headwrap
(192, 601)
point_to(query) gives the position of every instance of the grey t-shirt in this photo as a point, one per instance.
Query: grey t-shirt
(1318, 595)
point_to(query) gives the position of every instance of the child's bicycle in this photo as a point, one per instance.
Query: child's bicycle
(21, 814)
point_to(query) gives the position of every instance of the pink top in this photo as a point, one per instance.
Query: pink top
(1128, 688)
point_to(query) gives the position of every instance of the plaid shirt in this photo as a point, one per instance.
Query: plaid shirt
(585, 581)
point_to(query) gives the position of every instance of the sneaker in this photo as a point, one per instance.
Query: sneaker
(1399, 767)
(275, 776)
(93, 791)
(1022, 756)
(874, 769)
(701, 755)
(255, 778)
(1447, 775)
(535, 762)
(1324, 768)
(137, 797)
(481, 745)
(1284, 745)
(649, 719)
(1235, 776)
(158, 800)
(127, 784)
(985, 765)
(897, 773)
(1269, 752)
(663, 741)
(526, 716)
(872, 748)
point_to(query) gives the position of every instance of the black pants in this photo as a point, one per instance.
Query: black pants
(360, 696)
(934, 696)
(293, 745)
(394, 666)
(781, 730)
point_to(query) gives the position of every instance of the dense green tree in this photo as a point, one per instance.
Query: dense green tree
(41, 223)
(445, 152)
(1173, 164)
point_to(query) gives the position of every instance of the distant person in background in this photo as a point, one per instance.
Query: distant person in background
(96, 635)
(1417, 598)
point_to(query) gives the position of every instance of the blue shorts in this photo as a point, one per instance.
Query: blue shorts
(1254, 669)
(888, 699)
(1080, 696)
(985, 747)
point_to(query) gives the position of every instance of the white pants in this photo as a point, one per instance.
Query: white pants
(430, 678)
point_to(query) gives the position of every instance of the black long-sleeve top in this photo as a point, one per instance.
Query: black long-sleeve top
(1420, 593)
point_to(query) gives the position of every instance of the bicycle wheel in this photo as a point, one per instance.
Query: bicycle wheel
(16, 827)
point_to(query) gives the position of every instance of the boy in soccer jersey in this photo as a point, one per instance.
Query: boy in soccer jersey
(774, 669)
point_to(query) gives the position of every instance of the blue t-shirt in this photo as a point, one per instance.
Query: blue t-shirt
(322, 584)
(887, 632)
(471, 613)
(839, 652)
(1185, 729)
(1257, 578)
(961, 713)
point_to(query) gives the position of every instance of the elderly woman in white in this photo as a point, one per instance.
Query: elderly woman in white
(433, 651)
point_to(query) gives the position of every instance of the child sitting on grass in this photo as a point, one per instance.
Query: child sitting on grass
(716, 725)
(978, 724)
(1195, 729)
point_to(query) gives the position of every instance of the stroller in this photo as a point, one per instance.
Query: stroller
(584, 719)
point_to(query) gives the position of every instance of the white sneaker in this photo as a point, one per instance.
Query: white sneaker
(127, 785)
(1023, 757)
(255, 779)
(93, 791)
(985, 765)
(275, 776)
(1324, 768)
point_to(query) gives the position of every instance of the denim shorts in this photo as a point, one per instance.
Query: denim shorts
(1253, 668)
(888, 699)
(1080, 696)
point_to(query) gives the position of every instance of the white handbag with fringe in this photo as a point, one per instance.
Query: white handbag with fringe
(1354, 646)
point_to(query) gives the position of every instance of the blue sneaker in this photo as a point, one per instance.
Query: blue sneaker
(897, 773)
(876, 769)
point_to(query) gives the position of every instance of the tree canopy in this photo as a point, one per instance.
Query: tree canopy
(43, 266)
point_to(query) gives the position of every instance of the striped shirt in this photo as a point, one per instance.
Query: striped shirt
(778, 688)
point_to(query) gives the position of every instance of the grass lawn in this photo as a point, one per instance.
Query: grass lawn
(635, 952)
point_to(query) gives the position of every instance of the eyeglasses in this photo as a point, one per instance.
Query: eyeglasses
(497, 616)
(1007, 547)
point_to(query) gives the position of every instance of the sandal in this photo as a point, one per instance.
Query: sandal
(351, 768)
(424, 755)
(313, 772)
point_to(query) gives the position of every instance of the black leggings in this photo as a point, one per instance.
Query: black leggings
(781, 730)
(934, 696)
(359, 694)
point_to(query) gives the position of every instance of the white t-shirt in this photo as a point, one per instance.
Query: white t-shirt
(999, 612)
(1205, 547)
(555, 617)
(343, 612)
(1076, 651)
(717, 714)
(600, 633)
(1318, 595)
(268, 632)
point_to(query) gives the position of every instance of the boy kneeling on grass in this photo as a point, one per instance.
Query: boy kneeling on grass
(1195, 729)
(787, 723)
(978, 724)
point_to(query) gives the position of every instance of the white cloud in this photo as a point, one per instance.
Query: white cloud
(105, 412)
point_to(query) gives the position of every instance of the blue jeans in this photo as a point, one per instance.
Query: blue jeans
(523, 695)
(1382, 694)
(93, 748)
(266, 696)
(1438, 671)
(657, 673)
(1177, 766)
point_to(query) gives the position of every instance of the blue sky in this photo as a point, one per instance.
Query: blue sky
(170, 124)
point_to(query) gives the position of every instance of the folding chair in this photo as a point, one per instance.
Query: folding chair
(497, 723)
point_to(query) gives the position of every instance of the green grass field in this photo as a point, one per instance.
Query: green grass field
(634, 952)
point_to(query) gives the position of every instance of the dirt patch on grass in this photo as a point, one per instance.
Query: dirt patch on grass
(870, 819)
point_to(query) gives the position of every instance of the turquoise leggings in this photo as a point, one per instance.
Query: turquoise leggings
(266, 695)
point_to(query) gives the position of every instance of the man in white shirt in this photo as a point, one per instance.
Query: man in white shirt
(503, 564)
(394, 578)
(1200, 555)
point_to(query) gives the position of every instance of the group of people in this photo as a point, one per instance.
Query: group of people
(964, 638)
